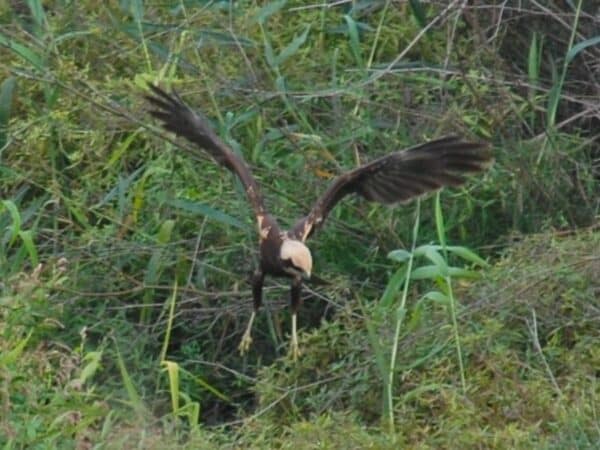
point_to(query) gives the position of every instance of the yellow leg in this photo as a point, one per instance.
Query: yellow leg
(294, 349)
(246, 338)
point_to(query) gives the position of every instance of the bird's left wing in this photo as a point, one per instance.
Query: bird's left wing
(181, 120)
(401, 176)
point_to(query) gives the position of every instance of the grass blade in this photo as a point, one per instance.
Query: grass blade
(207, 211)
(292, 48)
(7, 89)
(354, 40)
(173, 373)
(12, 209)
(27, 238)
(163, 352)
(418, 12)
(571, 54)
(132, 393)
(268, 10)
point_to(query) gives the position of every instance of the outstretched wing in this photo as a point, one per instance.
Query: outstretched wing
(401, 176)
(181, 120)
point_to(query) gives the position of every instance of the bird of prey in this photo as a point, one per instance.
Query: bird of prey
(394, 178)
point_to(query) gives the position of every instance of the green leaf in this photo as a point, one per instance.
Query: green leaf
(164, 234)
(27, 238)
(15, 353)
(399, 255)
(293, 47)
(269, 54)
(173, 372)
(7, 89)
(213, 390)
(37, 12)
(207, 211)
(459, 251)
(268, 10)
(134, 397)
(433, 255)
(166, 340)
(426, 273)
(439, 220)
(122, 148)
(24, 52)
(467, 255)
(553, 99)
(418, 12)
(93, 364)
(16, 219)
(459, 272)
(354, 40)
(437, 297)
(393, 287)
(533, 66)
(578, 48)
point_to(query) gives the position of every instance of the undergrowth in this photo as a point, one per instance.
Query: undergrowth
(124, 254)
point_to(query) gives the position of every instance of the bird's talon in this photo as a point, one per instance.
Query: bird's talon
(295, 352)
(245, 343)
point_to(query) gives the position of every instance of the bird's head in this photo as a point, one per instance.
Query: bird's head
(296, 258)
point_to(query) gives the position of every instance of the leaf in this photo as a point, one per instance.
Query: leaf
(16, 219)
(439, 220)
(459, 251)
(578, 48)
(433, 255)
(14, 354)
(164, 234)
(269, 55)
(38, 14)
(467, 255)
(134, 397)
(213, 390)
(172, 300)
(7, 89)
(399, 255)
(207, 211)
(292, 48)
(122, 148)
(393, 287)
(426, 273)
(88, 371)
(437, 297)
(533, 66)
(268, 10)
(459, 272)
(173, 372)
(354, 40)
(418, 12)
(27, 238)
(24, 52)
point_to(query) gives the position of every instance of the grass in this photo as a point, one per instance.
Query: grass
(124, 256)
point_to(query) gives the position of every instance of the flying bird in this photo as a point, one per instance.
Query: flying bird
(394, 178)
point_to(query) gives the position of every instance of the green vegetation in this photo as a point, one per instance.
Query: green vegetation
(466, 320)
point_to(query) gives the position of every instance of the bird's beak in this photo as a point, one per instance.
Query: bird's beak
(306, 275)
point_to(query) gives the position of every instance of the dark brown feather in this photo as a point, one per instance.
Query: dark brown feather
(177, 117)
(401, 176)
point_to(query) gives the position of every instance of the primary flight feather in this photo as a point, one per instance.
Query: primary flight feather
(395, 178)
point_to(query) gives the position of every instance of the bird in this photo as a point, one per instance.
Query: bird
(394, 178)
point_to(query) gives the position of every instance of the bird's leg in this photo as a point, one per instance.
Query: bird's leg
(295, 300)
(257, 285)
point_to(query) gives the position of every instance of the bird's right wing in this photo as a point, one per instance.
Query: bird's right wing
(401, 176)
(179, 118)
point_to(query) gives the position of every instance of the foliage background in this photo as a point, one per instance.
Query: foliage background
(124, 254)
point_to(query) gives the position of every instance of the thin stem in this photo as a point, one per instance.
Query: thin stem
(400, 314)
